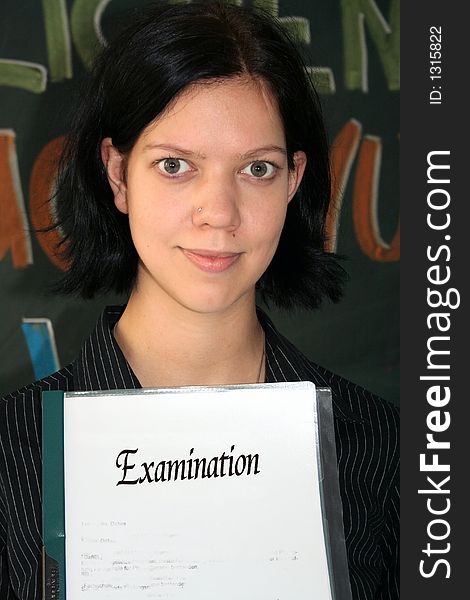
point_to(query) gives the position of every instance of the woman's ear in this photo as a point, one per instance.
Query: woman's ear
(114, 163)
(296, 174)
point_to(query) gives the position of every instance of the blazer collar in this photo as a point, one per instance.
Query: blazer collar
(101, 365)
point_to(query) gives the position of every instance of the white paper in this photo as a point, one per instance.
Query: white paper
(256, 535)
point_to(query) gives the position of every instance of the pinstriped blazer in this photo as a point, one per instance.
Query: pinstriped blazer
(366, 430)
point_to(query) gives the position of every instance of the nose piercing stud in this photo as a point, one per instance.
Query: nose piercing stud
(199, 210)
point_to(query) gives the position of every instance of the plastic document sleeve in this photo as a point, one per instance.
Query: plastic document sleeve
(192, 494)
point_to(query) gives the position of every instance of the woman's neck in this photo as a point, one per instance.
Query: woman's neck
(167, 344)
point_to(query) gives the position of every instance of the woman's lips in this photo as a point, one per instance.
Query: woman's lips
(211, 262)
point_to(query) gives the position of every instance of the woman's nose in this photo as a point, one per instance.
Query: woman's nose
(217, 204)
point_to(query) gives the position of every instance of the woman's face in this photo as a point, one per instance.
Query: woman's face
(206, 188)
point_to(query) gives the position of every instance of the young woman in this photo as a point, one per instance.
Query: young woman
(196, 173)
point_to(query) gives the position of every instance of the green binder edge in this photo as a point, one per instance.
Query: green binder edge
(53, 500)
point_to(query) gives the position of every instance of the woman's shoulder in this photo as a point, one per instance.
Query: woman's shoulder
(354, 403)
(31, 393)
(21, 419)
(365, 405)
(351, 401)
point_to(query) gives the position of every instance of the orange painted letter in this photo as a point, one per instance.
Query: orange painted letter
(343, 151)
(14, 231)
(41, 188)
(365, 196)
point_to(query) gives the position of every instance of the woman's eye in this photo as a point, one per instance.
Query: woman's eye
(260, 169)
(173, 166)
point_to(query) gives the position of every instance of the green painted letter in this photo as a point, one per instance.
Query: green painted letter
(385, 37)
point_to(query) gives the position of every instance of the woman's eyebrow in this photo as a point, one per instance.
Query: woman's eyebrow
(172, 148)
(261, 150)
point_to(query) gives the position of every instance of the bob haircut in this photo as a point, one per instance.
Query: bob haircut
(167, 48)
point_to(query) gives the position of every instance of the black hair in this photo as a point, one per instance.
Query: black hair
(166, 48)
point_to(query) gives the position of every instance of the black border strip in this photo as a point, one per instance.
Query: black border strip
(433, 120)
